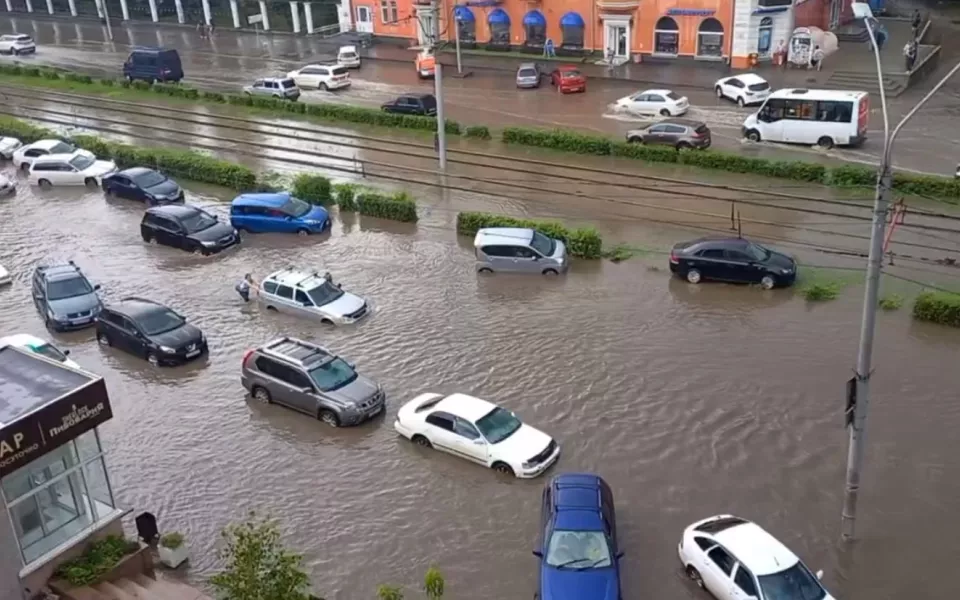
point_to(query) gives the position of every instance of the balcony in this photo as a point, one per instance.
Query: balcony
(619, 5)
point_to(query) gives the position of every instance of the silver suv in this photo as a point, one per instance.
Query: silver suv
(309, 378)
(311, 295)
(284, 88)
(519, 250)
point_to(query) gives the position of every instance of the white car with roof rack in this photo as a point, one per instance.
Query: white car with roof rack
(478, 431)
(36, 345)
(744, 89)
(309, 294)
(9, 145)
(24, 156)
(665, 103)
(735, 559)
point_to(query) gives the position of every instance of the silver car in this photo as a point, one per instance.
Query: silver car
(8, 146)
(311, 295)
(528, 75)
(309, 378)
(284, 88)
(519, 250)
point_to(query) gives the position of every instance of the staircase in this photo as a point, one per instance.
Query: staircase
(893, 86)
(140, 587)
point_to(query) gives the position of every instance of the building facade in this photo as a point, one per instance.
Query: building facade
(760, 25)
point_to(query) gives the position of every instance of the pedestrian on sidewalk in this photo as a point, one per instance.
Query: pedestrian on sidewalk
(548, 50)
(816, 60)
(916, 21)
(780, 54)
(910, 54)
(210, 28)
(201, 29)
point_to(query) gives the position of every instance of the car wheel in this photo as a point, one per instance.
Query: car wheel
(740, 102)
(825, 142)
(323, 87)
(695, 577)
(664, 112)
(152, 359)
(550, 272)
(421, 441)
(261, 395)
(719, 92)
(44, 183)
(102, 339)
(303, 232)
(90, 182)
(485, 270)
(198, 251)
(273, 308)
(329, 417)
(694, 276)
(768, 282)
(635, 140)
(753, 135)
(683, 146)
(503, 468)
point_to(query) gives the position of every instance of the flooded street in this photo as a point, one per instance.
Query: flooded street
(689, 400)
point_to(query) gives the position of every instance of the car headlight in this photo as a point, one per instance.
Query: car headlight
(208, 244)
(786, 271)
(167, 349)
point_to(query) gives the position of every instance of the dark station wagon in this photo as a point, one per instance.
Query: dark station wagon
(187, 227)
(732, 259)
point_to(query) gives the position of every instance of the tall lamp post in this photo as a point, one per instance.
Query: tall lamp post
(106, 18)
(858, 423)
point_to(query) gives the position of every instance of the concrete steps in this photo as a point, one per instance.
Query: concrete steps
(865, 81)
(140, 587)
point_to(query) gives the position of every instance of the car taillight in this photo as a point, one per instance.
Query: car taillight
(673, 258)
(246, 357)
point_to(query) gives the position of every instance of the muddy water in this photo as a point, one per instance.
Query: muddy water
(689, 400)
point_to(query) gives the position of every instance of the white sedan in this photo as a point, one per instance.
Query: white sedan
(5, 277)
(8, 146)
(7, 186)
(743, 89)
(655, 102)
(24, 156)
(80, 167)
(25, 341)
(735, 559)
(478, 431)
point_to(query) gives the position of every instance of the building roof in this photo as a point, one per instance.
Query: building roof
(29, 382)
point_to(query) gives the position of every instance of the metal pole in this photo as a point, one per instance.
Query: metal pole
(438, 87)
(106, 18)
(456, 37)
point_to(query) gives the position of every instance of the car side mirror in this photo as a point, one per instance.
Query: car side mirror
(352, 364)
(620, 554)
(306, 390)
(820, 574)
(66, 352)
(538, 554)
(96, 287)
(339, 286)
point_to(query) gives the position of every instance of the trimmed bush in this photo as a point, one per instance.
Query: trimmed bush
(480, 132)
(398, 206)
(643, 152)
(821, 291)
(853, 175)
(26, 132)
(582, 243)
(212, 97)
(77, 78)
(735, 163)
(345, 196)
(314, 189)
(938, 307)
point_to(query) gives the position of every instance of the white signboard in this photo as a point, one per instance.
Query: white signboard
(253, 19)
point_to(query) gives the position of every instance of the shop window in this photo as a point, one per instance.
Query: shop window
(388, 11)
(499, 23)
(466, 24)
(710, 38)
(765, 36)
(571, 31)
(666, 36)
(535, 28)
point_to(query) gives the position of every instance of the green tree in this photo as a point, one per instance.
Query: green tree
(433, 586)
(258, 566)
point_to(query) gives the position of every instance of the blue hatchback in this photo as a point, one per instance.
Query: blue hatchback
(578, 551)
(277, 213)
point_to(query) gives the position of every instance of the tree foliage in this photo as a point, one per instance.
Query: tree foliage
(258, 566)
(433, 586)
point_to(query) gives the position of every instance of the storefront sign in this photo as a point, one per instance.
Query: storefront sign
(690, 12)
(53, 425)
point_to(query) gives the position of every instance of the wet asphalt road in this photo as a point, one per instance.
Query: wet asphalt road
(930, 144)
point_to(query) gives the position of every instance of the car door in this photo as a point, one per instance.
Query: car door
(302, 300)
(732, 88)
(283, 385)
(169, 232)
(37, 291)
(674, 134)
(743, 586)
(122, 186)
(717, 573)
(526, 260)
(655, 103)
(711, 263)
(469, 442)
(771, 116)
(439, 430)
(284, 300)
(128, 336)
(656, 135)
(740, 267)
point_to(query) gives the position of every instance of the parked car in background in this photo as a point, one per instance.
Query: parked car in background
(153, 64)
(277, 213)
(5, 277)
(568, 79)
(9, 145)
(321, 77)
(578, 547)
(412, 104)
(25, 341)
(150, 330)
(143, 185)
(188, 228)
(78, 168)
(655, 102)
(529, 75)
(284, 88)
(24, 156)
(744, 89)
(17, 44)
(64, 297)
(7, 186)
(478, 431)
(311, 295)
(519, 250)
(679, 133)
(349, 57)
(311, 379)
(732, 259)
(735, 559)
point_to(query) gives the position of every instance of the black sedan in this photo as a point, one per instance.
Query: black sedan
(187, 227)
(732, 259)
(412, 104)
(144, 185)
(150, 330)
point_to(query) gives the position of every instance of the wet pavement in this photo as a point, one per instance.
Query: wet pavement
(689, 400)
(931, 143)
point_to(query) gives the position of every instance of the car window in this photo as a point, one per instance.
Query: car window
(81, 162)
(441, 420)
(722, 559)
(570, 74)
(658, 129)
(287, 83)
(736, 255)
(148, 179)
(744, 581)
(34, 152)
(542, 244)
(494, 250)
(258, 83)
(199, 221)
(333, 375)
(673, 96)
(704, 543)
(654, 98)
(520, 252)
(60, 148)
(735, 82)
(68, 288)
(302, 298)
(270, 287)
(296, 207)
(759, 87)
(272, 368)
(527, 73)
(466, 429)
(711, 253)
(39, 166)
(639, 97)
(498, 425)
(339, 70)
(285, 291)
(676, 129)
(50, 351)
(325, 293)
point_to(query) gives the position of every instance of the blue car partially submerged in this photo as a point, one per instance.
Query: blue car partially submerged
(578, 549)
(277, 212)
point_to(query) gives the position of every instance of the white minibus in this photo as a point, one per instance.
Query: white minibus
(824, 117)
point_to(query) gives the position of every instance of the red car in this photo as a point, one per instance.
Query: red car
(567, 79)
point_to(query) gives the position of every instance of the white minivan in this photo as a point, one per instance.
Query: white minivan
(826, 118)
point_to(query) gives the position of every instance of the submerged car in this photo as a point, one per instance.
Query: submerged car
(78, 168)
(64, 297)
(188, 228)
(655, 102)
(424, 105)
(9, 145)
(478, 431)
(568, 79)
(311, 295)
(36, 345)
(7, 186)
(143, 185)
(284, 88)
(277, 213)
(519, 250)
(24, 156)
(732, 259)
(150, 330)
(735, 559)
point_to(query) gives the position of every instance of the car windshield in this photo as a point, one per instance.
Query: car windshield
(295, 207)
(757, 252)
(160, 321)
(527, 73)
(542, 244)
(325, 293)
(149, 179)
(68, 288)
(287, 83)
(672, 96)
(339, 70)
(570, 74)
(796, 583)
(61, 148)
(81, 162)
(50, 352)
(199, 221)
(578, 550)
(758, 87)
(498, 425)
(333, 375)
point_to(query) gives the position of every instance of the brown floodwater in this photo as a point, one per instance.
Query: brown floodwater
(689, 400)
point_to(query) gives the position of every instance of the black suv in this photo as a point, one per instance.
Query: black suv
(150, 330)
(187, 227)
(64, 297)
(732, 259)
(412, 104)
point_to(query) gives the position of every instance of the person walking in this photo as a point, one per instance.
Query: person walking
(816, 60)
(210, 28)
(780, 54)
(201, 29)
(915, 22)
(246, 285)
(910, 54)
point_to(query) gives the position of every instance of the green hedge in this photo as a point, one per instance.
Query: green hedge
(398, 206)
(582, 243)
(345, 196)
(938, 307)
(480, 132)
(315, 189)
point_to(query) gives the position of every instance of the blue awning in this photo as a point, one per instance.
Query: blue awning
(498, 17)
(535, 17)
(571, 19)
(463, 14)
(690, 12)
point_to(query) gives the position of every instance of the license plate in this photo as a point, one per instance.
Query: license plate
(193, 353)
(81, 321)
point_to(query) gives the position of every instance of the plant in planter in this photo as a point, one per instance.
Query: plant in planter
(172, 550)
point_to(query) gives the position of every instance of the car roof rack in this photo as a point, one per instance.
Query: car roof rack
(298, 350)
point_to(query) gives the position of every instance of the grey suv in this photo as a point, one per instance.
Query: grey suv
(309, 378)
(64, 297)
(283, 88)
(679, 133)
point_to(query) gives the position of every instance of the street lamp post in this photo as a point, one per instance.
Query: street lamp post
(438, 85)
(106, 18)
(857, 426)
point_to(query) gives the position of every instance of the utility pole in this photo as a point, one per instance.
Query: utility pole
(438, 84)
(106, 18)
(456, 37)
